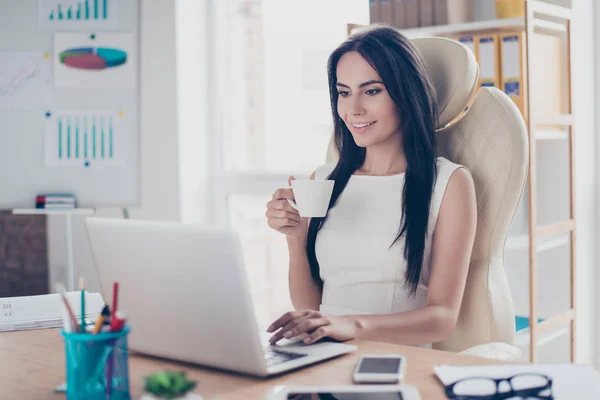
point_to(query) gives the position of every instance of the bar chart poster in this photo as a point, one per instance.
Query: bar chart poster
(77, 15)
(94, 61)
(90, 139)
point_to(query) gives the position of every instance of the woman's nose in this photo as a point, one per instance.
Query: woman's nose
(356, 108)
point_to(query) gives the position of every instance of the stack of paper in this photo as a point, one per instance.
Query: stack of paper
(569, 381)
(44, 311)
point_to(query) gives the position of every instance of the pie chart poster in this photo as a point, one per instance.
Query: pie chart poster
(95, 61)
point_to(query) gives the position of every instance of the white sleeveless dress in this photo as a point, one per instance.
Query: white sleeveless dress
(361, 274)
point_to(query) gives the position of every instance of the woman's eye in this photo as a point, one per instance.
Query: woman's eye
(343, 93)
(372, 92)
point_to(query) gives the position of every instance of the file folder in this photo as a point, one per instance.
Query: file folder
(412, 13)
(400, 14)
(471, 42)
(425, 12)
(489, 74)
(440, 12)
(453, 11)
(387, 12)
(512, 69)
(374, 11)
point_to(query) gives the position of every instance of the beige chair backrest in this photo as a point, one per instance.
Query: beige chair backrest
(484, 131)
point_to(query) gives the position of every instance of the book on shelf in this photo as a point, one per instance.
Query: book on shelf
(55, 201)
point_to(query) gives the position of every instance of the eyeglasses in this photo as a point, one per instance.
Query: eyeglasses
(520, 386)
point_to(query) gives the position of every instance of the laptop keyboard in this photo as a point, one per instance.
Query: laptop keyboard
(274, 357)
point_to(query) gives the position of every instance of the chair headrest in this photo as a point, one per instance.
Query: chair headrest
(454, 72)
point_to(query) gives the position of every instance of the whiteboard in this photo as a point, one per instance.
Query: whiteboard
(69, 124)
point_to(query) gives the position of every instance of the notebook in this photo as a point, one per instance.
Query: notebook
(44, 311)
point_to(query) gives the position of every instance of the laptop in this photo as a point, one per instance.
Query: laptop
(186, 295)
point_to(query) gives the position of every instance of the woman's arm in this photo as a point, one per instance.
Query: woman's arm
(303, 291)
(451, 253)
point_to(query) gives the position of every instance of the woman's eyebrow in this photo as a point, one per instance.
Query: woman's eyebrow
(367, 83)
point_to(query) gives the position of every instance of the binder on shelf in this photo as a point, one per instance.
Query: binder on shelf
(425, 12)
(400, 14)
(512, 67)
(489, 74)
(453, 11)
(412, 14)
(440, 12)
(374, 11)
(471, 42)
(387, 12)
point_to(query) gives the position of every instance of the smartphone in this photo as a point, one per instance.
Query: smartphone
(379, 368)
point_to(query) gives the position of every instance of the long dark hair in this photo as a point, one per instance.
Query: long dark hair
(403, 73)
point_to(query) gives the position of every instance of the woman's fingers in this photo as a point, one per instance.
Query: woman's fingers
(280, 224)
(283, 193)
(282, 214)
(288, 317)
(288, 324)
(318, 334)
(281, 205)
(306, 326)
(285, 331)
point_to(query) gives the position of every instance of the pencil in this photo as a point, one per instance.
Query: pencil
(115, 297)
(101, 318)
(60, 289)
(70, 312)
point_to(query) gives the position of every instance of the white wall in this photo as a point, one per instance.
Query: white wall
(196, 102)
(160, 163)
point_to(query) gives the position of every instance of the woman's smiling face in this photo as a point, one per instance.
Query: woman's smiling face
(363, 103)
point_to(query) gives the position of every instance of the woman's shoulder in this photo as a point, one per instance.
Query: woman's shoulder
(323, 171)
(444, 164)
(446, 169)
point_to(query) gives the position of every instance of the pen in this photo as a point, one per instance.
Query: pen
(82, 288)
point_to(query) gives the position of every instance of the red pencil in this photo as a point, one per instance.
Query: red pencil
(115, 297)
(70, 312)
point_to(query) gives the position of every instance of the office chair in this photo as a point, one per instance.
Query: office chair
(482, 129)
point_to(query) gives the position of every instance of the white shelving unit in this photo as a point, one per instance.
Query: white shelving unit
(522, 337)
(521, 242)
(545, 123)
(68, 213)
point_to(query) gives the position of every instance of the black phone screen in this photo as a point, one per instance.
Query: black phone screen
(373, 365)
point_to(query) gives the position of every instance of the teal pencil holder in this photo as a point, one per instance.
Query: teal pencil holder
(97, 366)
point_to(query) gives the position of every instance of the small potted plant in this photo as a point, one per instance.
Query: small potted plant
(169, 385)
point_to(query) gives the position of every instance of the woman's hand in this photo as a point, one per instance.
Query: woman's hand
(311, 325)
(284, 218)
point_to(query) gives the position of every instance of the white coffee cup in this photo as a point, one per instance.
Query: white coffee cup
(312, 197)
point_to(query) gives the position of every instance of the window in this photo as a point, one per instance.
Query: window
(273, 119)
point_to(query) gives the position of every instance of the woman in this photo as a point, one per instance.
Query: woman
(389, 261)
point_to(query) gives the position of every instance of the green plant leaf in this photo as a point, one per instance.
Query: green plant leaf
(168, 384)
